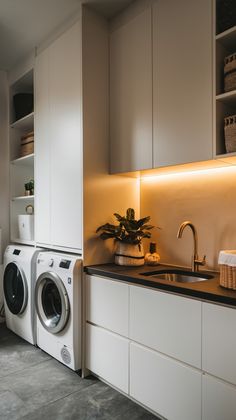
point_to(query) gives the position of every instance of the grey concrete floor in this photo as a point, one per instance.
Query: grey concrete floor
(34, 386)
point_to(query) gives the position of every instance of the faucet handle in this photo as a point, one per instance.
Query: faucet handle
(201, 262)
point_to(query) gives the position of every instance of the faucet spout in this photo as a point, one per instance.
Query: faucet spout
(195, 260)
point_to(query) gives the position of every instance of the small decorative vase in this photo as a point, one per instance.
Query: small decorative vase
(129, 254)
(27, 192)
(152, 258)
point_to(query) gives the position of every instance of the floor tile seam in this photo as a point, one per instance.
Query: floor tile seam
(24, 368)
(66, 395)
(19, 397)
(55, 401)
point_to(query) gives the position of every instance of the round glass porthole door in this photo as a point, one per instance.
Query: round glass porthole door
(52, 303)
(15, 289)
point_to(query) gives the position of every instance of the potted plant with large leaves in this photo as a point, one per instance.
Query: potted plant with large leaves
(128, 234)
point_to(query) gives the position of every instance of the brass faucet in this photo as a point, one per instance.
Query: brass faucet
(195, 260)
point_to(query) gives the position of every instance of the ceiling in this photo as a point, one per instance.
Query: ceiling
(25, 24)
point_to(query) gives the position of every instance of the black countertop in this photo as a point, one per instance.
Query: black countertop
(209, 290)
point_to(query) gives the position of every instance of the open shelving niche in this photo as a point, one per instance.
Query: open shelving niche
(225, 102)
(21, 168)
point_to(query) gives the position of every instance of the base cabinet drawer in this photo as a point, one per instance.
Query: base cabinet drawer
(107, 355)
(219, 342)
(107, 304)
(169, 388)
(166, 323)
(218, 400)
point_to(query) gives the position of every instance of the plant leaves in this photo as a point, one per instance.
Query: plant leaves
(128, 230)
(107, 226)
(147, 235)
(106, 235)
(118, 217)
(130, 214)
(147, 227)
(144, 220)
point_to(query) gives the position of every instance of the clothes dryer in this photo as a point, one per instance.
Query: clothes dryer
(58, 306)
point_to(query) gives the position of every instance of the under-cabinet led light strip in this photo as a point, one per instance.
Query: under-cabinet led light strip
(195, 172)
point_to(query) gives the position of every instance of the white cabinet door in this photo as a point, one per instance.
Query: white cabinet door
(171, 389)
(58, 132)
(219, 341)
(107, 356)
(131, 94)
(66, 139)
(168, 323)
(182, 78)
(42, 150)
(107, 303)
(218, 400)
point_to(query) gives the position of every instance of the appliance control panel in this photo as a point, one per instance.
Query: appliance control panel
(16, 252)
(65, 264)
(51, 262)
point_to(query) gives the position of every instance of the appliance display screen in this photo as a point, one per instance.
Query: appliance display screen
(16, 252)
(65, 264)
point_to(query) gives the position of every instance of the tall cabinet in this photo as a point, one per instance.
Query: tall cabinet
(58, 143)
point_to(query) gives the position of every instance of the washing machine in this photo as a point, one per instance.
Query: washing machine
(19, 278)
(58, 306)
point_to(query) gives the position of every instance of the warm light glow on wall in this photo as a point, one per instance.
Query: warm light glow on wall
(186, 174)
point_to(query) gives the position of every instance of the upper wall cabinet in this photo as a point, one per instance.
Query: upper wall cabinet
(131, 94)
(161, 85)
(58, 138)
(182, 81)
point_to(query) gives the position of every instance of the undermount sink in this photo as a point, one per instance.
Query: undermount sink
(179, 276)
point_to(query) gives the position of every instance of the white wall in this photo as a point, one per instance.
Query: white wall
(4, 168)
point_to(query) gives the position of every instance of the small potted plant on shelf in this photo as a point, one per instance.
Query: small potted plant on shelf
(128, 234)
(29, 187)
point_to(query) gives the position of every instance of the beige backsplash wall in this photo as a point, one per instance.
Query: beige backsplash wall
(207, 198)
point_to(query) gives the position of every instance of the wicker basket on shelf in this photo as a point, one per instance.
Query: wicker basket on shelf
(227, 263)
(230, 133)
(230, 72)
(27, 144)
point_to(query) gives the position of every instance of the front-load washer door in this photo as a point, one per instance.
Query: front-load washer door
(15, 289)
(52, 302)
